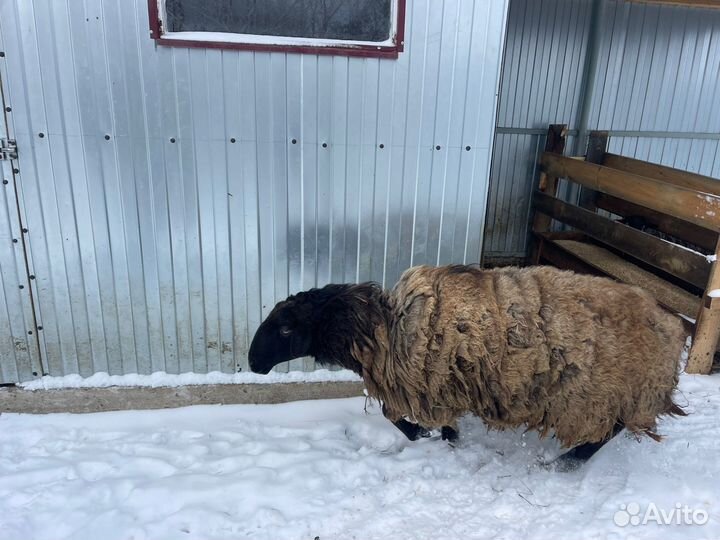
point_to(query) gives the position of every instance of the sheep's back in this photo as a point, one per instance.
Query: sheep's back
(537, 346)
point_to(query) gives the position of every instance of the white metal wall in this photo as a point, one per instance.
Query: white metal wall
(656, 82)
(173, 196)
(19, 358)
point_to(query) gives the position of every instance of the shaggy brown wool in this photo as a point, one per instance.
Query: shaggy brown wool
(550, 349)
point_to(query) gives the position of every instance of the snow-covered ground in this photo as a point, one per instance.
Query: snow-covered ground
(328, 469)
(160, 378)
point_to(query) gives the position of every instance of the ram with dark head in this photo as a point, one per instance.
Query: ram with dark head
(576, 356)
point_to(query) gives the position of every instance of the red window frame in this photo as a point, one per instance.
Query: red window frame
(351, 49)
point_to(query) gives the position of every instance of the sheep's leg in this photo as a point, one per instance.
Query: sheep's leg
(449, 434)
(412, 431)
(575, 457)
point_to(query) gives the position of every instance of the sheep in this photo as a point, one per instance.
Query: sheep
(578, 356)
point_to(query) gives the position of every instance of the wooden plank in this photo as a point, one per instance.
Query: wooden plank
(564, 235)
(689, 232)
(712, 4)
(676, 177)
(555, 142)
(700, 208)
(88, 400)
(596, 148)
(686, 265)
(707, 329)
(667, 294)
(554, 255)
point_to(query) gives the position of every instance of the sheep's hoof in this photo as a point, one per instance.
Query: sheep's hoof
(563, 463)
(567, 463)
(412, 431)
(449, 434)
(574, 458)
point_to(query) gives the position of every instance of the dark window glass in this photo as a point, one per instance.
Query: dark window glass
(352, 20)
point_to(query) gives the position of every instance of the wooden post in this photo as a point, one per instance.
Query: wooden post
(707, 327)
(596, 149)
(597, 146)
(555, 142)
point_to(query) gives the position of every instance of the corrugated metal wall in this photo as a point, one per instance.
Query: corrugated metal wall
(655, 89)
(658, 84)
(542, 68)
(19, 358)
(173, 196)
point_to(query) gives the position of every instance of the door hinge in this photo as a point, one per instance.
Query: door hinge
(8, 149)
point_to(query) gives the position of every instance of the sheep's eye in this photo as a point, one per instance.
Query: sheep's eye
(285, 331)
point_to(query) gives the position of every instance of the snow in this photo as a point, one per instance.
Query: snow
(688, 319)
(160, 378)
(327, 469)
(715, 293)
(259, 39)
(709, 258)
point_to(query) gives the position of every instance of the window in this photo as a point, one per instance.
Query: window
(347, 27)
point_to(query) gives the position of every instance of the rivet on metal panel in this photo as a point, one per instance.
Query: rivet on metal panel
(15, 240)
(8, 109)
(437, 147)
(39, 327)
(24, 230)
(382, 145)
(34, 373)
(294, 141)
(232, 140)
(30, 332)
(32, 276)
(41, 135)
(5, 182)
(172, 139)
(2, 54)
(22, 286)
(467, 148)
(107, 137)
(324, 145)
(16, 171)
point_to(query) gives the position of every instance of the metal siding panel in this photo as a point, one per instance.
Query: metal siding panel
(476, 214)
(338, 151)
(543, 59)
(19, 351)
(238, 260)
(164, 246)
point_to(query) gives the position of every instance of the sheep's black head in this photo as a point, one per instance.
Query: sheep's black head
(284, 335)
(321, 323)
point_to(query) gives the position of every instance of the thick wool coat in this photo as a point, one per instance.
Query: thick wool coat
(558, 352)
